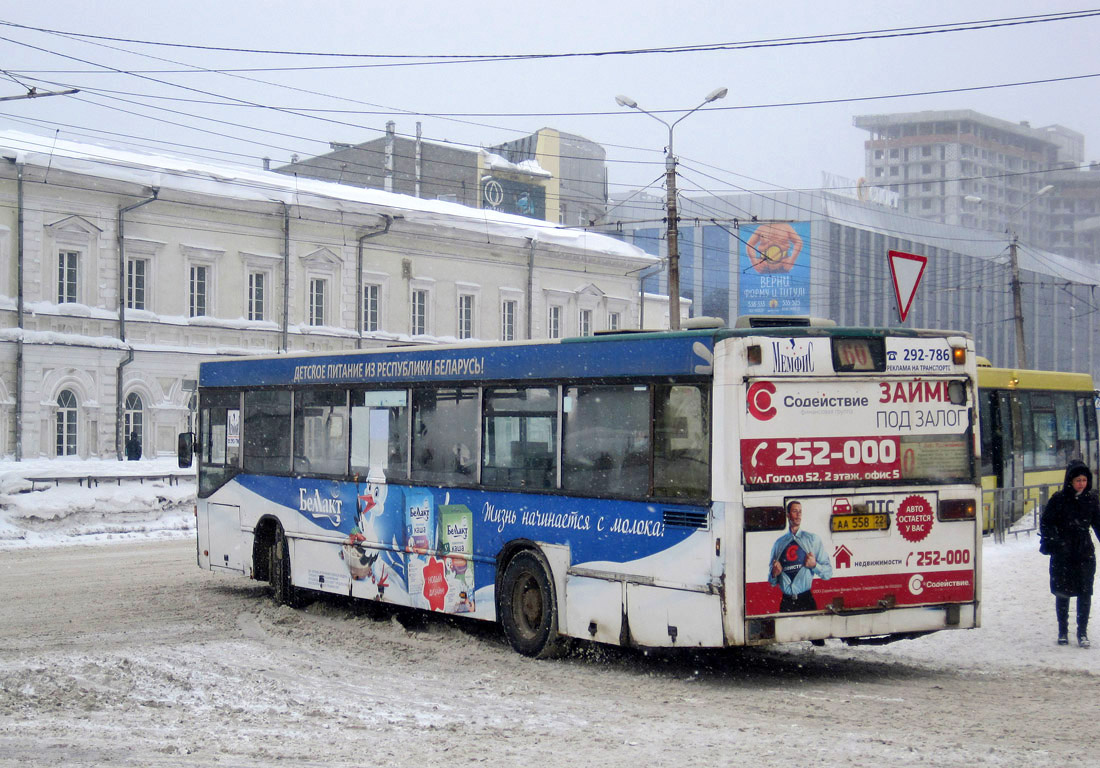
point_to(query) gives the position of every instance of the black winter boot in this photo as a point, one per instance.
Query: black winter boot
(1061, 611)
(1084, 603)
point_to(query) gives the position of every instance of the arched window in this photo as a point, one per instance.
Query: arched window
(132, 417)
(66, 423)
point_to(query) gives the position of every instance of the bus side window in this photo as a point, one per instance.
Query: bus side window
(1040, 430)
(520, 437)
(267, 422)
(320, 432)
(681, 437)
(444, 435)
(380, 434)
(606, 440)
(1070, 433)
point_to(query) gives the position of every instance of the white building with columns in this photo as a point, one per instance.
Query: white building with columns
(121, 271)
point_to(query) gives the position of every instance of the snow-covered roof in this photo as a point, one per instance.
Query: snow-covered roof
(201, 177)
(495, 162)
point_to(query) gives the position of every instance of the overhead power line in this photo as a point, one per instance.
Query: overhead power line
(306, 111)
(423, 59)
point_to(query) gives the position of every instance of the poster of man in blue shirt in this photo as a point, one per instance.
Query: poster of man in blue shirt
(797, 556)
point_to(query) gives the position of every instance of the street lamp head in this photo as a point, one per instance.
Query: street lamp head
(717, 93)
(626, 101)
(1044, 190)
(972, 199)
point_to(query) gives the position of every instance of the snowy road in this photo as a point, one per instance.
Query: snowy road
(126, 654)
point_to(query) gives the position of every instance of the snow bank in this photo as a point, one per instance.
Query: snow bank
(47, 502)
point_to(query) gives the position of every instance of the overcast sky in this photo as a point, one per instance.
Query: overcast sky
(741, 146)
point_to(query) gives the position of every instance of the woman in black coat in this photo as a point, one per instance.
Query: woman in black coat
(1064, 535)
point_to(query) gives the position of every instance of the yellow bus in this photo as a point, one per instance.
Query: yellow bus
(1032, 424)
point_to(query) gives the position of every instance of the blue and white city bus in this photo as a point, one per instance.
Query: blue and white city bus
(632, 488)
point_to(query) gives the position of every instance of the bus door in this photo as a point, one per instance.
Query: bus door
(1086, 429)
(1008, 414)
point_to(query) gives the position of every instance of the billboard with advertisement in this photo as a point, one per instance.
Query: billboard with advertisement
(859, 552)
(774, 267)
(510, 196)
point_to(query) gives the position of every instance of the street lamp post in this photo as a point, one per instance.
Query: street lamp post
(1014, 263)
(672, 228)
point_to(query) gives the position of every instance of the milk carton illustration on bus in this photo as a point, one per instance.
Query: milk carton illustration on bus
(456, 546)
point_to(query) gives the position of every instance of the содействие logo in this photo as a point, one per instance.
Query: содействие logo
(760, 400)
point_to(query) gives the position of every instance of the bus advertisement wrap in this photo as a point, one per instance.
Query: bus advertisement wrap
(852, 431)
(860, 552)
(430, 548)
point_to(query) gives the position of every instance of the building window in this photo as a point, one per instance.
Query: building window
(613, 320)
(68, 263)
(316, 301)
(136, 272)
(584, 322)
(418, 321)
(553, 322)
(508, 320)
(66, 423)
(465, 316)
(256, 297)
(199, 285)
(370, 307)
(132, 417)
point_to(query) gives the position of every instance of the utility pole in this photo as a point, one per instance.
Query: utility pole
(673, 235)
(671, 225)
(1017, 304)
(1014, 262)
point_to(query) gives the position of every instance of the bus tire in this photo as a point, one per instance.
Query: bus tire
(283, 590)
(527, 607)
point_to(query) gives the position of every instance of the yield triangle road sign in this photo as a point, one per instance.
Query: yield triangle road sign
(906, 270)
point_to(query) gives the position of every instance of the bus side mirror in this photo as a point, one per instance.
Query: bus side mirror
(185, 449)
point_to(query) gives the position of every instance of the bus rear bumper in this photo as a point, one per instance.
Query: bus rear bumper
(862, 628)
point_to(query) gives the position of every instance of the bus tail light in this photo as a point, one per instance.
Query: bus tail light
(957, 509)
(765, 518)
(754, 354)
(958, 355)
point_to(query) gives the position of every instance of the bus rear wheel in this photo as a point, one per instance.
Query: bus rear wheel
(527, 607)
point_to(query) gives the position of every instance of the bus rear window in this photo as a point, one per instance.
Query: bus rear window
(859, 354)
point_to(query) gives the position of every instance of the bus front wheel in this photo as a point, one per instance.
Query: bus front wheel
(527, 607)
(283, 590)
